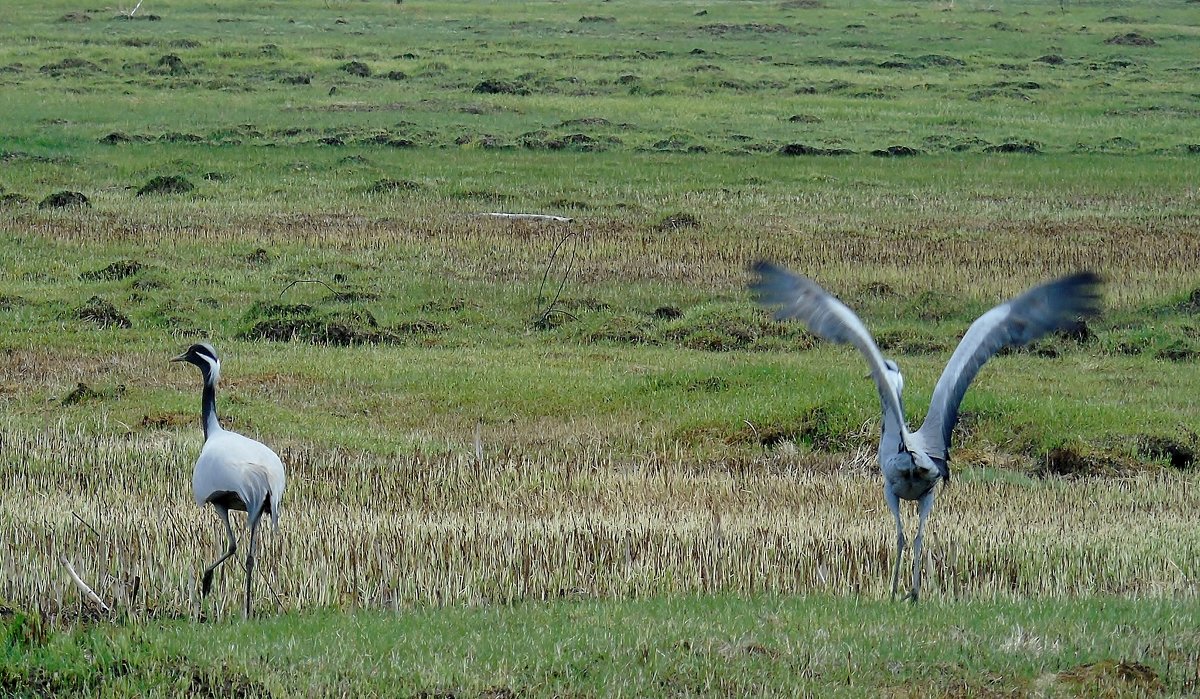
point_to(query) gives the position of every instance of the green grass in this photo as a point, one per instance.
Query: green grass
(684, 646)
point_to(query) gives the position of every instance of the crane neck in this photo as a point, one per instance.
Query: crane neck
(208, 410)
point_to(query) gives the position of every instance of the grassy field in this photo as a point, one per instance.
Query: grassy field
(573, 458)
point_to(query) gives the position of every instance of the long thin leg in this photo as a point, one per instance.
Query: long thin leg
(894, 504)
(206, 579)
(250, 556)
(926, 506)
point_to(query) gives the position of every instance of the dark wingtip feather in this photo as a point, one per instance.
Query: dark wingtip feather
(770, 283)
(1084, 290)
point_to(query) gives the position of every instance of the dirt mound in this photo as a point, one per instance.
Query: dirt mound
(162, 421)
(747, 28)
(1116, 675)
(64, 200)
(177, 137)
(1015, 147)
(1179, 455)
(1131, 39)
(1081, 462)
(168, 184)
(385, 185)
(802, 149)
(1191, 304)
(721, 327)
(102, 313)
(117, 270)
(1051, 59)
(329, 326)
(84, 393)
(357, 68)
(585, 121)
(119, 137)
(69, 65)
(171, 64)
(495, 86)
(676, 222)
(895, 152)
(905, 342)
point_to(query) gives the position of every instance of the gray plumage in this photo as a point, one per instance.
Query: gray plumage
(913, 462)
(233, 472)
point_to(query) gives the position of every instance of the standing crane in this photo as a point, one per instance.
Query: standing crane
(233, 472)
(914, 462)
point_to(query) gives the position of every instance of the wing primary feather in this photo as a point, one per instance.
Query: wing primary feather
(1043, 309)
(801, 298)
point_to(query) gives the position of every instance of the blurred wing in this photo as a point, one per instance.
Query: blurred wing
(802, 298)
(1042, 309)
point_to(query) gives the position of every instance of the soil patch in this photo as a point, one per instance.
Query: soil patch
(803, 149)
(1192, 303)
(117, 270)
(65, 199)
(895, 152)
(340, 327)
(357, 68)
(171, 64)
(69, 65)
(1123, 674)
(84, 393)
(585, 121)
(1131, 39)
(495, 86)
(119, 137)
(162, 421)
(385, 185)
(1014, 147)
(1179, 455)
(168, 184)
(747, 28)
(102, 313)
(676, 222)
(1072, 463)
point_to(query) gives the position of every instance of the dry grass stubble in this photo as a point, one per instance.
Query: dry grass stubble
(361, 531)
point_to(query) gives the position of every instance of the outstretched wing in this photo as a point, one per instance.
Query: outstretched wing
(802, 298)
(1042, 309)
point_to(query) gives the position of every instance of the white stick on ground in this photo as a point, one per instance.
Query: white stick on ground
(83, 587)
(135, 8)
(528, 217)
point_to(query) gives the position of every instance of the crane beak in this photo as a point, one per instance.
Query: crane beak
(180, 358)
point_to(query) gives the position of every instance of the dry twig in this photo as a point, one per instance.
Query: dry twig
(86, 591)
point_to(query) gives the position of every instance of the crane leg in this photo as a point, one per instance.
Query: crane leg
(925, 505)
(894, 504)
(207, 577)
(250, 557)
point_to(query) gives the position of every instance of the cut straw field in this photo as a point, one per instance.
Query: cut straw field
(562, 429)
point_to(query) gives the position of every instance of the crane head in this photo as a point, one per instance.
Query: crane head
(894, 377)
(204, 357)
